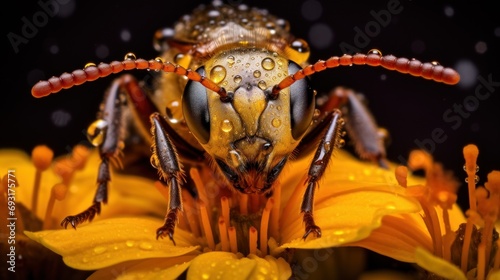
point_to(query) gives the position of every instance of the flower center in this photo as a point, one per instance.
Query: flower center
(229, 221)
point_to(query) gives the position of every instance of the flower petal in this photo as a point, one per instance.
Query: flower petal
(398, 237)
(348, 216)
(155, 268)
(111, 241)
(224, 265)
(438, 265)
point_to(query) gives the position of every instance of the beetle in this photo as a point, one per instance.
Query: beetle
(245, 111)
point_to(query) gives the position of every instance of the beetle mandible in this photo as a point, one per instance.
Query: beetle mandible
(245, 111)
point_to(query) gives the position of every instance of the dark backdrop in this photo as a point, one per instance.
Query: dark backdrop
(456, 35)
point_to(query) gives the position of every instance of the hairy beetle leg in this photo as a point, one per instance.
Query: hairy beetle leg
(165, 159)
(331, 139)
(109, 138)
(368, 138)
(169, 226)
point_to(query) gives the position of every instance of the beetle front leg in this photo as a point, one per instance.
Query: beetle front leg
(328, 143)
(167, 163)
(108, 135)
(368, 138)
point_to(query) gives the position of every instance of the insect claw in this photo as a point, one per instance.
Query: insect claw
(164, 231)
(311, 227)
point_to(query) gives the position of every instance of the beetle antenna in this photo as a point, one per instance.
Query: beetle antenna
(428, 70)
(93, 72)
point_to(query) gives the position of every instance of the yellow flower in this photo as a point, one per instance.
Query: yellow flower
(38, 192)
(441, 239)
(225, 234)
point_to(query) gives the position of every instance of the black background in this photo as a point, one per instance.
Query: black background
(410, 108)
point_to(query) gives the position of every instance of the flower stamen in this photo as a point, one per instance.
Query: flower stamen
(233, 244)
(252, 239)
(42, 157)
(205, 222)
(264, 222)
(58, 192)
(223, 235)
(225, 209)
(275, 213)
(190, 210)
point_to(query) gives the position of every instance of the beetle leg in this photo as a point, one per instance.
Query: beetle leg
(167, 163)
(331, 139)
(369, 139)
(115, 118)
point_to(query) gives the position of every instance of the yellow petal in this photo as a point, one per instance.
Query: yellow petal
(111, 241)
(438, 265)
(495, 275)
(398, 237)
(224, 265)
(348, 216)
(157, 268)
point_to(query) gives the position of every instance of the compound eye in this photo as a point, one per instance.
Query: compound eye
(301, 103)
(195, 109)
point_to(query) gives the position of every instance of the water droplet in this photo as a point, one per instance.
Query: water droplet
(205, 276)
(340, 143)
(276, 122)
(476, 179)
(130, 56)
(227, 126)
(145, 246)
(218, 74)
(237, 79)
(268, 63)
(262, 85)
(477, 168)
(89, 64)
(375, 51)
(130, 243)
(316, 113)
(95, 132)
(327, 146)
(299, 50)
(230, 60)
(100, 249)
(435, 63)
(256, 74)
(174, 112)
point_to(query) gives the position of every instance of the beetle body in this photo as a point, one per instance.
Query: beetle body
(243, 112)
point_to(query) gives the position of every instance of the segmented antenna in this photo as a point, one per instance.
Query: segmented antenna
(428, 70)
(93, 72)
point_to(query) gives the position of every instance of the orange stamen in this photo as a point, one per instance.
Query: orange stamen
(58, 192)
(42, 158)
(481, 261)
(200, 186)
(232, 239)
(225, 210)
(470, 154)
(402, 175)
(264, 222)
(466, 245)
(64, 168)
(79, 156)
(275, 213)
(190, 211)
(252, 239)
(223, 235)
(205, 221)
